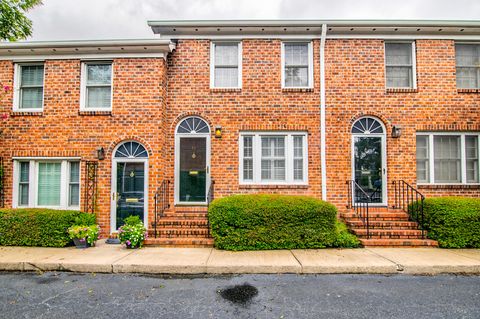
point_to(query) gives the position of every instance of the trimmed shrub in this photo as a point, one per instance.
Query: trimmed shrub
(37, 226)
(345, 239)
(260, 221)
(453, 221)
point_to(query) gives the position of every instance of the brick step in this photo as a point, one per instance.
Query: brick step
(389, 233)
(398, 242)
(377, 217)
(184, 223)
(192, 216)
(181, 232)
(184, 242)
(187, 209)
(382, 224)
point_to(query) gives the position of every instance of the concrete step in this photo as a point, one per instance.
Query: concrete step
(382, 224)
(398, 242)
(193, 242)
(389, 233)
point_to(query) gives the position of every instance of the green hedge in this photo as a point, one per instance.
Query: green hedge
(453, 221)
(36, 226)
(255, 222)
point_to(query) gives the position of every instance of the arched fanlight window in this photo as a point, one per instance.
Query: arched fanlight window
(193, 125)
(367, 125)
(131, 149)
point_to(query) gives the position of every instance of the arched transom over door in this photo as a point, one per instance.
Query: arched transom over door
(369, 160)
(129, 183)
(192, 161)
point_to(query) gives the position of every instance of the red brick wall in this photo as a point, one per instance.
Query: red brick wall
(62, 131)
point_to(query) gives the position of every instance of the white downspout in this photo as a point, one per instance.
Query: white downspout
(323, 160)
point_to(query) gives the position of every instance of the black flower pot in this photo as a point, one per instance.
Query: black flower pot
(81, 243)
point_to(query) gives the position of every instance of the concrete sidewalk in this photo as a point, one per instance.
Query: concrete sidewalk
(117, 259)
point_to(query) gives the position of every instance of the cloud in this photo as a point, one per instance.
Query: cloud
(101, 19)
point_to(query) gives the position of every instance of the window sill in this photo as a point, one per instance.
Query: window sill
(104, 113)
(401, 90)
(468, 90)
(26, 113)
(297, 89)
(273, 186)
(223, 90)
(448, 186)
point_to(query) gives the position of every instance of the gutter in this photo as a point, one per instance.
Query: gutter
(323, 160)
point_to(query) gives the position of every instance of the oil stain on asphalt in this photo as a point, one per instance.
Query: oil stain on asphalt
(239, 294)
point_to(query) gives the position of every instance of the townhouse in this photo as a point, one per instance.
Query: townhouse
(206, 109)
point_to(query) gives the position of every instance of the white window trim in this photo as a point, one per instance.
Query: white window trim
(414, 64)
(463, 156)
(212, 65)
(456, 66)
(310, 65)
(16, 87)
(83, 87)
(33, 182)
(257, 158)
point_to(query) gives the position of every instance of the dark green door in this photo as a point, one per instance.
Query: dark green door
(130, 190)
(193, 169)
(368, 167)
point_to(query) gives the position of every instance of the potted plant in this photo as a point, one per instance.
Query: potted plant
(133, 233)
(85, 231)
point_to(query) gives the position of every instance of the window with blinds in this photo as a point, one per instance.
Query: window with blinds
(399, 65)
(468, 65)
(226, 65)
(97, 86)
(28, 84)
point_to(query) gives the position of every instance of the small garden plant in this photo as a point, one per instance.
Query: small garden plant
(84, 232)
(133, 233)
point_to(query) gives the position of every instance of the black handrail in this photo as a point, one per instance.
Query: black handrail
(161, 201)
(410, 200)
(359, 201)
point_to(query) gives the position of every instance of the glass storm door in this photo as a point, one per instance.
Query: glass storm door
(193, 169)
(368, 167)
(130, 196)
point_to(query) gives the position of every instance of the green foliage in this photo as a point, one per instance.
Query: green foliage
(133, 233)
(86, 220)
(88, 233)
(255, 222)
(453, 221)
(14, 25)
(36, 227)
(344, 238)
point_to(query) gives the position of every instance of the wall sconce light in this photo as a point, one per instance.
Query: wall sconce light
(218, 131)
(396, 131)
(100, 153)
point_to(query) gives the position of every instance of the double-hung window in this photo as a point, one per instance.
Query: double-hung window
(468, 66)
(226, 65)
(96, 86)
(28, 84)
(448, 158)
(297, 65)
(46, 183)
(400, 65)
(273, 158)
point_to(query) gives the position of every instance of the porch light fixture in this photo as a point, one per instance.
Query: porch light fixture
(218, 131)
(100, 153)
(396, 131)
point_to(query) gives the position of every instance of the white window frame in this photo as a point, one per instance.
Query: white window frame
(17, 76)
(212, 64)
(456, 66)
(289, 157)
(33, 182)
(414, 63)
(83, 87)
(463, 156)
(310, 64)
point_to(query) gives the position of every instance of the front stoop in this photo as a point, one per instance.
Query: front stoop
(181, 227)
(388, 228)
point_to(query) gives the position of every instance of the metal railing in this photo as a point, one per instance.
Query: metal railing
(161, 201)
(359, 201)
(410, 200)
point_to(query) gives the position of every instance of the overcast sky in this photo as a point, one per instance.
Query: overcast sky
(102, 19)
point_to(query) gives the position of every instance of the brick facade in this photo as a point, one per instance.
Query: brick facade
(151, 95)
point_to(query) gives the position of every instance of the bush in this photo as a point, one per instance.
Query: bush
(453, 221)
(133, 233)
(36, 226)
(254, 222)
(344, 239)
